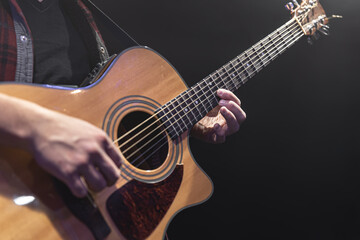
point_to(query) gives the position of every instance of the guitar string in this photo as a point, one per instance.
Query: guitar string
(255, 53)
(204, 93)
(147, 142)
(164, 138)
(149, 134)
(284, 45)
(160, 126)
(153, 116)
(196, 93)
(168, 120)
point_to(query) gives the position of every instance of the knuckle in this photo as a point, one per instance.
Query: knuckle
(243, 117)
(68, 171)
(102, 137)
(81, 160)
(102, 184)
(233, 105)
(99, 185)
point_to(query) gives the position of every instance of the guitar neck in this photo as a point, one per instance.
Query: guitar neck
(182, 112)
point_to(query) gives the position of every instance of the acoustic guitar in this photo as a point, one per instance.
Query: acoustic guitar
(145, 107)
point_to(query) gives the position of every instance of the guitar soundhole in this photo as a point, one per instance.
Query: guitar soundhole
(142, 140)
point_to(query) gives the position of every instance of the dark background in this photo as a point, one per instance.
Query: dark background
(293, 170)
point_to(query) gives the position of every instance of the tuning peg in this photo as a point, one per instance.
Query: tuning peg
(290, 6)
(324, 29)
(335, 16)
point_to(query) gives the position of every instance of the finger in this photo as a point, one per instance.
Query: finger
(107, 168)
(219, 135)
(228, 95)
(113, 152)
(93, 178)
(218, 139)
(76, 186)
(231, 121)
(239, 113)
(70, 178)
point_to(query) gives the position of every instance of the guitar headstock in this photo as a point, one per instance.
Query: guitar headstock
(311, 16)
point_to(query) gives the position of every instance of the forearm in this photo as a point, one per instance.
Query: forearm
(18, 119)
(66, 147)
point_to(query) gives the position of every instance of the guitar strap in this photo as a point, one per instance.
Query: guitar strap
(108, 23)
(116, 39)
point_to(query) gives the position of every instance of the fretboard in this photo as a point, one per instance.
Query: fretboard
(182, 112)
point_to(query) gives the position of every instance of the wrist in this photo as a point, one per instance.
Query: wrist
(19, 123)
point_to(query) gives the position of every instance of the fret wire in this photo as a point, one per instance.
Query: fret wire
(272, 55)
(273, 47)
(180, 110)
(291, 44)
(174, 109)
(255, 59)
(190, 106)
(202, 94)
(239, 74)
(231, 80)
(283, 49)
(265, 53)
(218, 82)
(249, 63)
(166, 117)
(230, 75)
(221, 79)
(170, 109)
(272, 42)
(245, 69)
(294, 39)
(260, 63)
(197, 103)
(185, 108)
(208, 85)
(205, 89)
(201, 103)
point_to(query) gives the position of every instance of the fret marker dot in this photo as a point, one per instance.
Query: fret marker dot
(196, 102)
(186, 109)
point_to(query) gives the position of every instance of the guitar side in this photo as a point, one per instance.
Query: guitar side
(138, 80)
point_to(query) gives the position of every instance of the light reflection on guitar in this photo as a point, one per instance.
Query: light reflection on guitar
(145, 107)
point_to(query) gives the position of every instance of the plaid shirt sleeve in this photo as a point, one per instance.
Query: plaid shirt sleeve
(81, 16)
(8, 51)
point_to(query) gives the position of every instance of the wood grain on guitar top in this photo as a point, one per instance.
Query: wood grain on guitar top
(136, 72)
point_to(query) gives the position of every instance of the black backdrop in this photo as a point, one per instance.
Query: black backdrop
(292, 171)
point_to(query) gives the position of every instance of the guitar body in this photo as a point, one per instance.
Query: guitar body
(158, 174)
(143, 201)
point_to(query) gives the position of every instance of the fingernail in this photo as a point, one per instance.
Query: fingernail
(223, 110)
(222, 102)
(219, 92)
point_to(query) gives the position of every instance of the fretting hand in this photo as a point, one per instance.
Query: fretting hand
(222, 121)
